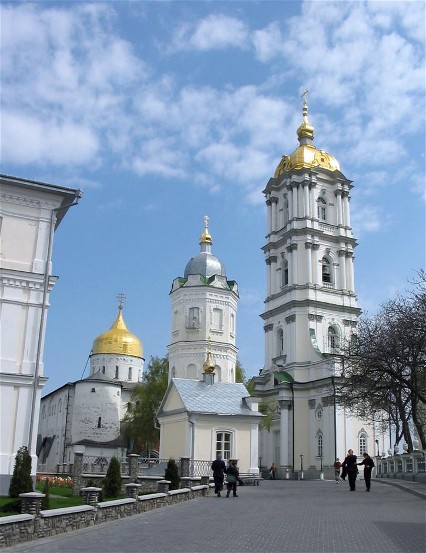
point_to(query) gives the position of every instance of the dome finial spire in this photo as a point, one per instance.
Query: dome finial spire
(121, 297)
(208, 365)
(205, 238)
(305, 132)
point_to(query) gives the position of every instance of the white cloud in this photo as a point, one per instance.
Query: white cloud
(215, 32)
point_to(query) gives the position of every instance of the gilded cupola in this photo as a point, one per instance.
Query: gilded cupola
(306, 155)
(118, 340)
(208, 365)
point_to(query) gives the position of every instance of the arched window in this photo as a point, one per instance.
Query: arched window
(116, 371)
(362, 443)
(284, 268)
(326, 270)
(194, 317)
(322, 209)
(285, 210)
(130, 374)
(99, 422)
(333, 339)
(319, 445)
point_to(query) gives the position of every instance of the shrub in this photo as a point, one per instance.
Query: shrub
(112, 481)
(45, 502)
(21, 481)
(172, 474)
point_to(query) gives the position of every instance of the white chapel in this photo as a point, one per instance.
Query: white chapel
(204, 411)
(310, 308)
(85, 415)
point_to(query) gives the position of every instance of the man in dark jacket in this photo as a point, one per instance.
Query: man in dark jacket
(368, 467)
(218, 468)
(350, 468)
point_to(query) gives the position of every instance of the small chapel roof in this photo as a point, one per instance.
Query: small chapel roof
(221, 398)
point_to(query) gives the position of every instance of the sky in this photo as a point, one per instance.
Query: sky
(163, 112)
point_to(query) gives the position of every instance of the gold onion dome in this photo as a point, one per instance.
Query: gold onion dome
(208, 365)
(118, 340)
(306, 155)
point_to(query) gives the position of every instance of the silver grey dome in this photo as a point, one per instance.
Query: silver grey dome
(205, 264)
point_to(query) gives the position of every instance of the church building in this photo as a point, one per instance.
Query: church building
(85, 415)
(310, 309)
(204, 411)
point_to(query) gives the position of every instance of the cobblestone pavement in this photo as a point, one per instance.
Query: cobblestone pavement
(278, 516)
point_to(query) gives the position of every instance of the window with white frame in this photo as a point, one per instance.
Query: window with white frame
(224, 444)
(284, 269)
(280, 342)
(333, 339)
(322, 209)
(217, 322)
(326, 270)
(194, 317)
(319, 445)
(362, 443)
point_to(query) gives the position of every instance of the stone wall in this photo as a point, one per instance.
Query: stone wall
(27, 527)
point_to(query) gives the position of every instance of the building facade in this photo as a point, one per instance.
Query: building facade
(86, 415)
(310, 309)
(30, 213)
(205, 412)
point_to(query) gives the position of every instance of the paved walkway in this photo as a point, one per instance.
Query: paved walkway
(278, 516)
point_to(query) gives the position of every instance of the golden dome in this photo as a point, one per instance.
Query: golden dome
(208, 365)
(118, 340)
(306, 155)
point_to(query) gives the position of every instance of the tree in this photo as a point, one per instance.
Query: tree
(45, 502)
(112, 481)
(172, 474)
(240, 376)
(21, 481)
(384, 365)
(139, 422)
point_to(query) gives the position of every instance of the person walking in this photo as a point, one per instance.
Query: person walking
(219, 468)
(272, 472)
(368, 467)
(337, 467)
(350, 468)
(232, 475)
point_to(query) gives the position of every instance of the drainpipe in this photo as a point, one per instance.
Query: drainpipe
(334, 421)
(43, 314)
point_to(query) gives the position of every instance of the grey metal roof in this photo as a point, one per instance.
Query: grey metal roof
(205, 264)
(219, 398)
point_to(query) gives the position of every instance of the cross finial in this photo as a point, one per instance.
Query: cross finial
(206, 220)
(304, 95)
(121, 297)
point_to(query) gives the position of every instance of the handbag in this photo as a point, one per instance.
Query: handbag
(230, 478)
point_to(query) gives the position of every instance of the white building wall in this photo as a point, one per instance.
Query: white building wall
(27, 220)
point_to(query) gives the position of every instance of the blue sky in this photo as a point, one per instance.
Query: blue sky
(163, 112)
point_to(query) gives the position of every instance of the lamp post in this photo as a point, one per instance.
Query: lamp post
(301, 467)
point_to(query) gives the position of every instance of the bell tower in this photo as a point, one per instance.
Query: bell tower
(310, 306)
(204, 312)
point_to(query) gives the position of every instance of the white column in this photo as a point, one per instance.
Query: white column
(348, 210)
(350, 271)
(313, 203)
(339, 207)
(284, 452)
(269, 206)
(268, 277)
(293, 249)
(290, 203)
(306, 206)
(295, 211)
(308, 248)
(254, 449)
(274, 202)
(316, 271)
(342, 258)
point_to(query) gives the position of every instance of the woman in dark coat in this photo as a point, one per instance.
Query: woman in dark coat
(232, 476)
(350, 468)
(368, 467)
(218, 468)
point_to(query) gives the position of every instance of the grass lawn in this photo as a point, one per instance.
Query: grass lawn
(65, 499)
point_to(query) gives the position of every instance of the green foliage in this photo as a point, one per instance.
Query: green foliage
(139, 422)
(45, 502)
(240, 376)
(268, 410)
(21, 481)
(172, 474)
(112, 481)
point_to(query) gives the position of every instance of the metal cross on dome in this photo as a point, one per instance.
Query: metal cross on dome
(121, 297)
(206, 220)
